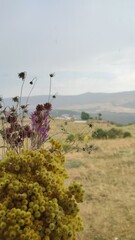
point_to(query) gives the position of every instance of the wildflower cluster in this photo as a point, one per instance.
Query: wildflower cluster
(40, 124)
(14, 132)
(34, 202)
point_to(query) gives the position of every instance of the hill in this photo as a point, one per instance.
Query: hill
(118, 107)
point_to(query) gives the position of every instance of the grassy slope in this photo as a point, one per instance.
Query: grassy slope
(108, 176)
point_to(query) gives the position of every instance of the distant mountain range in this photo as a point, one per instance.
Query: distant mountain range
(117, 107)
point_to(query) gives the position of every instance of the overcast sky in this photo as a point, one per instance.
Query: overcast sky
(89, 44)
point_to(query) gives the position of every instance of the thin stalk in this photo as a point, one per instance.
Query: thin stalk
(4, 141)
(31, 89)
(21, 92)
(21, 100)
(50, 89)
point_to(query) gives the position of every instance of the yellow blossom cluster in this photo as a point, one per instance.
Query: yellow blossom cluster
(35, 204)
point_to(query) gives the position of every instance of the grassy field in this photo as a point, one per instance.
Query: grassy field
(108, 177)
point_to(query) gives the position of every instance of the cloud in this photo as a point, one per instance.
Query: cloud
(89, 44)
(110, 72)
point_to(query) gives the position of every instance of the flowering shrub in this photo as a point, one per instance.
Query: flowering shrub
(35, 203)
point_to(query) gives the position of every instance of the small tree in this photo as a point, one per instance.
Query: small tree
(99, 116)
(85, 116)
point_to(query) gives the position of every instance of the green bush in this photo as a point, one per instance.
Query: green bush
(114, 133)
(100, 134)
(127, 134)
(110, 134)
(70, 138)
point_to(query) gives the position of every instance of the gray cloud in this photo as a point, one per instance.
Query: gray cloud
(90, 44)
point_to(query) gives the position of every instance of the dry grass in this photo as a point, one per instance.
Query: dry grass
(108, 177)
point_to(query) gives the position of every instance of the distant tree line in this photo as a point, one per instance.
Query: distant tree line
(110, 134)
(86, 116)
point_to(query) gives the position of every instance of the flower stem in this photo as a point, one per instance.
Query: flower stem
(50, 89)
(20, 114)
(35, 78)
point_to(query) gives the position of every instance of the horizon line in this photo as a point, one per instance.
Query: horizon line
(118, 92)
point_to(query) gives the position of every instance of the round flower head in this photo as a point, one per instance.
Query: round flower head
(22, 75)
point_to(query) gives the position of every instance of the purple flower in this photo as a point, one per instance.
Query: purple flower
(40, 123)
(48, 106)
